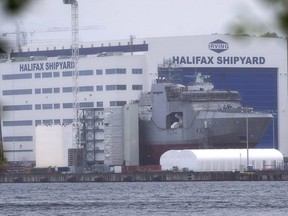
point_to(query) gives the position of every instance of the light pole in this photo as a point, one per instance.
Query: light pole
(247, 136)
(13, 151)
(273, 114)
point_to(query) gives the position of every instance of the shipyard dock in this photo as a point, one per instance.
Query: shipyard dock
(146, 177)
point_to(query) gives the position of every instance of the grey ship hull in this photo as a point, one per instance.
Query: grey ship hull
(210, 129)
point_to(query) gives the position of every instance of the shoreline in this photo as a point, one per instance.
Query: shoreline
(152, 176)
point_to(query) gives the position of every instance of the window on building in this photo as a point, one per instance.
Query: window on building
(57, 122)
(117, 103)
(56, 74)
(67, 105)
(46, 74)
(66, 73)
(136, 71)
(57, 106)
(17, 92)
(37, 106)
(37, 75)
(115, 87)
(38, 122)
(113, 103)
(86, 88)
(47, 106)
(67, 121)
(137, 87)
(17, 123)
(46, 90)
(17, 138)
(85, 72)
(17, 76)
(99, 88)
(99, 103)
(121, 87)
(116, 71)
(66, 89)
(37, 91)
(99, 72)
(110, 71)
(48, 122)
(86, 104)
(17, 107)
(120, 71)
(56, 90)
(110, 87)
(121, 103)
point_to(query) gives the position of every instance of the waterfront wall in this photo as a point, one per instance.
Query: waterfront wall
(146, 177)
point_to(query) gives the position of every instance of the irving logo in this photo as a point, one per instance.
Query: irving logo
(218, 46)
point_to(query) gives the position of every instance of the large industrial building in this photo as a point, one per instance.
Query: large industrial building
(36, 82)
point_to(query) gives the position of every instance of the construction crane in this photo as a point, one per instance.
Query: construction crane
(59, 30)
(21, 36)
(25, 37)
(75, 59)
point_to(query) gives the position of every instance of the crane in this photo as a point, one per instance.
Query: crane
(75, 59)
(25, 37)
(21, 36)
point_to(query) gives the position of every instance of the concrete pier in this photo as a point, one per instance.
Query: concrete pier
(146, 177)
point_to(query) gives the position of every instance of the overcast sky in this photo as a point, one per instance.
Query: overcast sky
(117, 19)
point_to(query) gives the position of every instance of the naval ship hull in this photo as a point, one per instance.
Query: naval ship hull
(225, 130)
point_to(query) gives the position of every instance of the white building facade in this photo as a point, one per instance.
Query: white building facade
(36, 83)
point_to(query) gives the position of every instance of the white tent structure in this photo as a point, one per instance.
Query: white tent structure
(221, 159)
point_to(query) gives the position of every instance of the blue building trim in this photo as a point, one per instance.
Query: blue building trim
(17, 123)
(17, 76)
(17, 138)
(17, 107)
(17, 92)
(83, 51)
(26, 150)
(257, 87)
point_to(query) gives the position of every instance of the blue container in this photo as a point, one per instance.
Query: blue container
(250, 168)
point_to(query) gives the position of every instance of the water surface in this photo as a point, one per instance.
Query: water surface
(145, 198)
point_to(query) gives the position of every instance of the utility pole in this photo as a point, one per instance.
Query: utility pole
(131, 43)
(75, 72)
(247, 139)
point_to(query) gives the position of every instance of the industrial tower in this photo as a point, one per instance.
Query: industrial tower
(75, 58)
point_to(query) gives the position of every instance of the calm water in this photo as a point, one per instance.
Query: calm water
(149, 198)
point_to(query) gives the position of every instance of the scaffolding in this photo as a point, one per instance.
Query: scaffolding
(92, 134)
